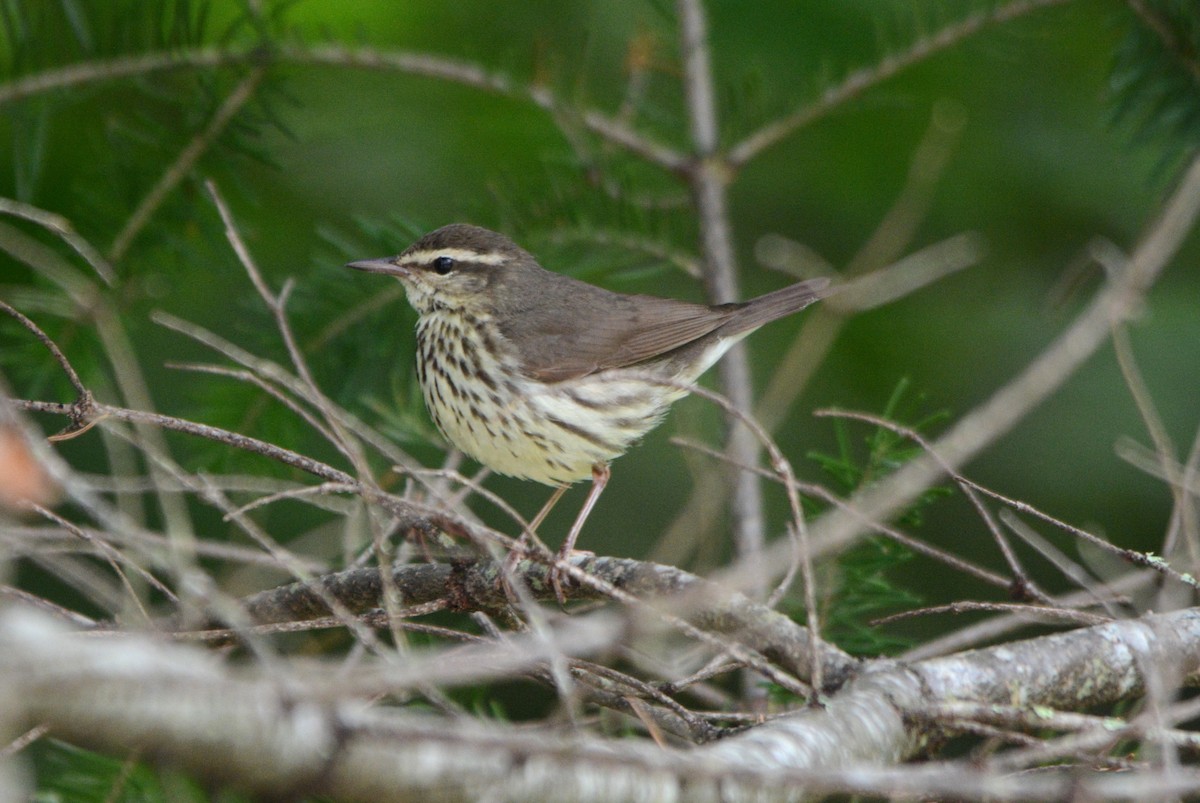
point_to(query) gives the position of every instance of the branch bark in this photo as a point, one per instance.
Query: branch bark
(265, 732)
(707, 178)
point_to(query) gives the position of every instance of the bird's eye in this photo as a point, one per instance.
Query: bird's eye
(443, 265)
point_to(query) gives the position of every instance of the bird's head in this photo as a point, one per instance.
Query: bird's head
(452, 268)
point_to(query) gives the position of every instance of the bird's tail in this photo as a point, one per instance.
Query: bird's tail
(766, 308)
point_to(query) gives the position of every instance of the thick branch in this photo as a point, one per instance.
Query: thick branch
(479, 587)
(182, 706)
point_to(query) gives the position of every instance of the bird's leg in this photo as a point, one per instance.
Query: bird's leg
(519, 548)
(530, 533)
(545, 511)
(600, 475)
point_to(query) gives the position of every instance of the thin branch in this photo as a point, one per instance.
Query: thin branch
(900, 537)
(98, 410)
(302, 492)
(98, 71)
(341, 437)
(63, 228)
(662, 252)
(34, 602)
(184, 163)
(276, 373)
(1032, 613)
(1131, 556)
(33, 539)
(1022, 585)
(24, 740)
(114, 559)
(858, 82)
(246, 375)
(1010, 403)
(707, 178)
(421, 64)
(1103, 596)
(992, 630)
(802, 554)
(1165, 29)
(409, 515)
(81, 392)
(907, 275)
(1184, 529)
(233, 613)
(475, 75)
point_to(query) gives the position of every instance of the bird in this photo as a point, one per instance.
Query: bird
(541, 376)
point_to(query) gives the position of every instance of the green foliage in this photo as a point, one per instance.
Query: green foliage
(1156, 72)
(887, 450)
(864, 591)
(93, 150)
(367, 337)
(38, 36)
(68, 774)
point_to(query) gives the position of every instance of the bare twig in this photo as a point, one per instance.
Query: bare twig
(900, 537)
(184, 163)
(1183, 537)
(246, 375)
(857, 83)
(24, 740)
(1030, 613)
(410, 515)
(342, 438)
(114, 558)
(63, 228)
(274, 372)
(1010, 403)
(682, 260)
(707, 177)
(1102, 595)
(82, 394)
(802, 554)
(457, 71)
(234, 439)
(1022, 586)
(1134, 557)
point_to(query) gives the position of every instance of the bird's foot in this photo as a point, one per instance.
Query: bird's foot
(558, 573)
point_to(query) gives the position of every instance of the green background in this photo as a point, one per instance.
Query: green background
(332, 163)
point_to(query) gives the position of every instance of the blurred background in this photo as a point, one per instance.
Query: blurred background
(1027, 132)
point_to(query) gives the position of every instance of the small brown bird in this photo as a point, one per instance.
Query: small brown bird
(544, 377)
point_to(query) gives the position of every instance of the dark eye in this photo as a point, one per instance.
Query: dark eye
(443, 265)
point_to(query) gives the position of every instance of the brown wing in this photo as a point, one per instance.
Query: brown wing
(563, 328)
(637, 330)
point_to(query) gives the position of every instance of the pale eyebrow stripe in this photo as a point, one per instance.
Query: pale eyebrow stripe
(458, 254)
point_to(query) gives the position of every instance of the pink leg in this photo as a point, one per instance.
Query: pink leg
(518, 550)
(600, 475)
(546, 508)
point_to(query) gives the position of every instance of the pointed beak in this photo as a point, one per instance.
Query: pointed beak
(378, 266)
